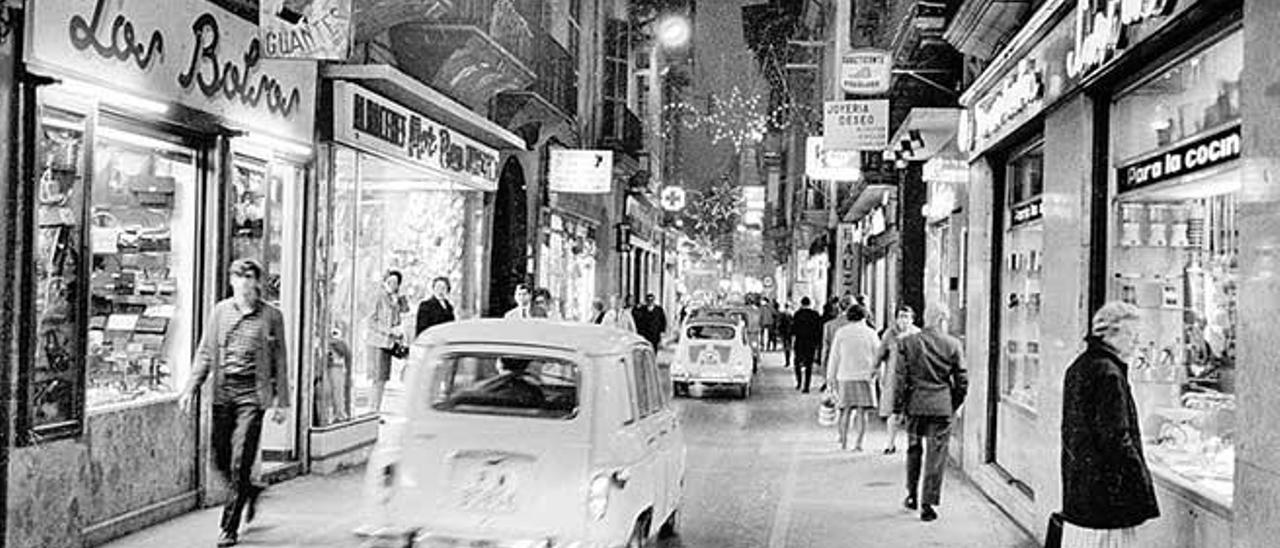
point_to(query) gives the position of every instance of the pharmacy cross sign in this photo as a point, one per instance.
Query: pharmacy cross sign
(672, 198)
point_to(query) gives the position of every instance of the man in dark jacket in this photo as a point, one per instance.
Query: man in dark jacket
(651, 321)
(931, 384)
(782, 329)
(1106, 486)
(806, 331)
(437, 309)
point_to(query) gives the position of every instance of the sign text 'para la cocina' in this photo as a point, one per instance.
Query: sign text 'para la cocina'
(1205, 152)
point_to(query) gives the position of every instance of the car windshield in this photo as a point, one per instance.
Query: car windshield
(504, 384)
(713, 332)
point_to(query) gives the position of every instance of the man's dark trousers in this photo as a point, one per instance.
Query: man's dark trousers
(936, 431)
(237, 429)
(804, 366)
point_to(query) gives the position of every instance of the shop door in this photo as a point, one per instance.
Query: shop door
(265, 225)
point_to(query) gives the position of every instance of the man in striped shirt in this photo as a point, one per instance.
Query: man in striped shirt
(243, 347)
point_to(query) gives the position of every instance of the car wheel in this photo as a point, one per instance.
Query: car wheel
(671, 527)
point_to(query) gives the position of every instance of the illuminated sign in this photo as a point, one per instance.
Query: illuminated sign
(1213, 149)
(1019, 90)
(1100, 34)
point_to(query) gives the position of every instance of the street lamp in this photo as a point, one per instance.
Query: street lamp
(673, 31)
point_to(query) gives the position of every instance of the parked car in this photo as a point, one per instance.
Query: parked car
(529, 433)
(713, 352)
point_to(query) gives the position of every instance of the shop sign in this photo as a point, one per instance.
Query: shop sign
(945, 170)
(826, 164)
(856, 125)
(1027, 212)
(188, 51)
(866, 71)
(847, 239)
(581, 171)
(1216, 148)
(1018, 91)
(368, 121)
(1100, 34)
(672, 198)
(305, 29)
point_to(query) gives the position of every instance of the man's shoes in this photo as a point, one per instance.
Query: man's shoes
(805, 391)
(927, 513)
(228, 538)
(251, 507)
(910, 502)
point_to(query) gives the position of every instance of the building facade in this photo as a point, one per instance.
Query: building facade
(1121, 151)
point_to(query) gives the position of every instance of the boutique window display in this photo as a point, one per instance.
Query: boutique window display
(1019, 369)
(143, 226)
(261, 195)
(387, 216)
(116, 209)
(1175, 252)
(568, 266)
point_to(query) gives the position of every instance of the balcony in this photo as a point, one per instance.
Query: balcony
(471, 52)
(620, 129)
(551, 99)
(371, 17)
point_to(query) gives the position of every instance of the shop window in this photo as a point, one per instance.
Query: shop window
(1175, 253)
(388, 216)
(142, 273)
(56, 385)
(1020, 280)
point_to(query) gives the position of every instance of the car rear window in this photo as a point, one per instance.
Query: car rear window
(713, 332)
(505, 384)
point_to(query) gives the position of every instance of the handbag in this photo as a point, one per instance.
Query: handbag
(1053, 537)
(399, 350)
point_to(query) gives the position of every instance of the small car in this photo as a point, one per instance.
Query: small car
(531, 433)
(713, 352)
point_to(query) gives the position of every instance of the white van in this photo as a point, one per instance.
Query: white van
(528, 433)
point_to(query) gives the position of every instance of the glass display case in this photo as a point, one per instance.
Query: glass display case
(1175, 255)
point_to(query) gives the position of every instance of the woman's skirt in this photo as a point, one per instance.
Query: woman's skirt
(379, 364)
(855, 394)
(887, 385)
(1078, 537)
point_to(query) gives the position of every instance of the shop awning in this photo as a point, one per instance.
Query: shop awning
(404, 89)
(925, 132)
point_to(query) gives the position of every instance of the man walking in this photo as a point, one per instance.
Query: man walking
(782, 328)
(930, 387)
(244, 347)
(806, 329)
(651, 321)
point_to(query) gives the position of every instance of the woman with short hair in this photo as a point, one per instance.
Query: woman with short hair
(1106, 485)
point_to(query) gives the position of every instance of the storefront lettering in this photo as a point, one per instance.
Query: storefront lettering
(1214, 149)
(124, 39)
(1007, 101)
(1100, 34)
(1030, 211)
(418, 139)
(214, 76)
(379, 121)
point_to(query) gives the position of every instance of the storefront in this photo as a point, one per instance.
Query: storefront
(142, 188)
(567, 263)
(402, 191)
(1110, 173)
(643, 263)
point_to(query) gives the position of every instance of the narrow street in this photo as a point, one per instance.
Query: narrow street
(762, 473)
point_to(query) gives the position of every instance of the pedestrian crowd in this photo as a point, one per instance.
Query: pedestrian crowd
(912, 377)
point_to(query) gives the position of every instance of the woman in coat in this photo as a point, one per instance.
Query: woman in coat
(1106, 486)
